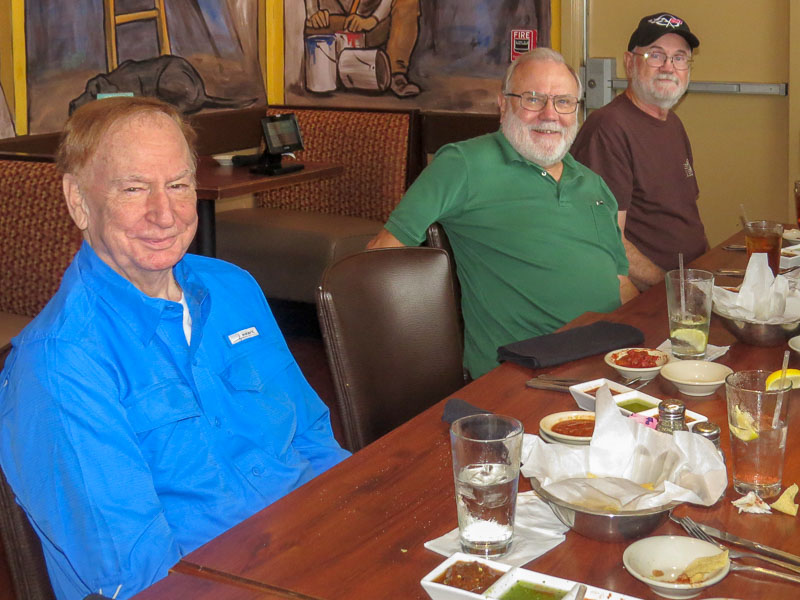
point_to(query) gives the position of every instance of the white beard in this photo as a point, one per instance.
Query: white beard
(545, 153)
(648, 92)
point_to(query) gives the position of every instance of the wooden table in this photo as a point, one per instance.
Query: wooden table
(217, 182)
(357, 531)
(177, 585)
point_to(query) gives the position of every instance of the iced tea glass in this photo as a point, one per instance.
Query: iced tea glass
(758, 436)
(486, 454)
(764, 236)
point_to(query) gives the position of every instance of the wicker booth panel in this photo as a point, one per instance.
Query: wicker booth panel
(37, 236)
(373, 146)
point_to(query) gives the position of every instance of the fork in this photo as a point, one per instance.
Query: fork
(693, 530)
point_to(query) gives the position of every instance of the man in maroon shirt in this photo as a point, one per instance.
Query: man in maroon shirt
(640, 148)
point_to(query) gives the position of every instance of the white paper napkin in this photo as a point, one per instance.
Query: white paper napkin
(762, 297)
(712, 352)
(536, 530)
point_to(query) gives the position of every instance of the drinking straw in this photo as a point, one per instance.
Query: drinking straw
(683, 290)
(782, 380)
(743, 215)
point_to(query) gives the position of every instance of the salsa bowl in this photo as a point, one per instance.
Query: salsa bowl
(625, 359)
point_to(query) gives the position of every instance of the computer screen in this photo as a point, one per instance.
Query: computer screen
(282, 133)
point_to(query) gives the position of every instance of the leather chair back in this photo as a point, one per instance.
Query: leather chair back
(21, 545)
(391, 331)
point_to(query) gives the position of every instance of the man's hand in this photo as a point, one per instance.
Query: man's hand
(356, 23)
(384, 239)
(319, 20)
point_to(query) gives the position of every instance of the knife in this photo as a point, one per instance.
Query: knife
(729, 537)
(547, 385)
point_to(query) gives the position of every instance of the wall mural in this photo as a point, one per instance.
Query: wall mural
(433, 54)
(211, 59)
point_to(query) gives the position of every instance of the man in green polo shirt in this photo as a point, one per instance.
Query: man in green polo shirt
(534, 232)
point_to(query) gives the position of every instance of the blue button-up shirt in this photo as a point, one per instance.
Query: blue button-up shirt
(127, 447)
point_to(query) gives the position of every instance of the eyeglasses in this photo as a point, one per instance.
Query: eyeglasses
(564, 104)
(657, 59)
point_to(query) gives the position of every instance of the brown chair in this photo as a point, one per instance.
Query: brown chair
(392, 335)
(21, 545)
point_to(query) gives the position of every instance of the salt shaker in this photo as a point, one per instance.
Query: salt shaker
(671, 415)
(710, 431)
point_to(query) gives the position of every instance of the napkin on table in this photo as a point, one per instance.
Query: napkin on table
(558, 348)
(762, 297)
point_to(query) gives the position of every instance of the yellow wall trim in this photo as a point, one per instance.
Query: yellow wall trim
(274, 45)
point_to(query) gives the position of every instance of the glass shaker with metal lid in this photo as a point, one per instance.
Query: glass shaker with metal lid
(671, 416)
(711, 431)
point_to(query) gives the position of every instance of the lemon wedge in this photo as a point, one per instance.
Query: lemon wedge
(691, 337)
(785, 503)
(773, 381)
(744, 429)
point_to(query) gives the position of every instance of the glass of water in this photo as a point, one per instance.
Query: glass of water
(486, 454)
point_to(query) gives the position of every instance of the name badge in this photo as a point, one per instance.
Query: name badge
(244, 334)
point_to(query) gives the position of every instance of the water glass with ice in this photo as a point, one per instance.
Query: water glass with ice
(757, 419)
(486, 455)
(689, 308)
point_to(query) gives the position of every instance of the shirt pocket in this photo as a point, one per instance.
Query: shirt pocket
(257, 369)
(160, 405)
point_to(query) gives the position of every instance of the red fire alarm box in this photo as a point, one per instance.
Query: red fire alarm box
(522, 40)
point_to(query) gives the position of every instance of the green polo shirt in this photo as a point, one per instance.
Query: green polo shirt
(532, 253)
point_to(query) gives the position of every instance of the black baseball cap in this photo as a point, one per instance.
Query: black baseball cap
(654, 26)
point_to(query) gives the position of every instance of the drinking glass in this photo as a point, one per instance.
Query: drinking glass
(764, 236)
(758, 435)
(689, 310)
(486, 454)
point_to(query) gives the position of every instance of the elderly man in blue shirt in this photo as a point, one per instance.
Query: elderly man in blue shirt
(153, 403)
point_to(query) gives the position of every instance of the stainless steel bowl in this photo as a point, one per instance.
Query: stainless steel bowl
(759, 334)
(605, 526)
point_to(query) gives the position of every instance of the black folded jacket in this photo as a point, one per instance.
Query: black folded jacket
(580, 342)
(457, 408)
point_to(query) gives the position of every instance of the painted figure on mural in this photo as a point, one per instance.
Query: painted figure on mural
(391, 22)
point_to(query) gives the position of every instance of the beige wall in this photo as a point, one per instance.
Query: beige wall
(743, 145)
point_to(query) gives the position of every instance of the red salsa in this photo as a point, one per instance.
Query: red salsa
(637, 359)
(577, 427)
(470, 576)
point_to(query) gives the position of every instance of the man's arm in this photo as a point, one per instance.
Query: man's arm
(627, 291)
(642, 271)
(384, 239)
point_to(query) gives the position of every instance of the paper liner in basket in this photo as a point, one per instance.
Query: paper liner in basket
(762, 297)
(628, 466)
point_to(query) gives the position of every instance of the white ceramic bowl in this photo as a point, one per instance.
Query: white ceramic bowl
(670, 554)
(794, 343)
(631, 372)
(548, 422)
(695, 377)
(440, 591)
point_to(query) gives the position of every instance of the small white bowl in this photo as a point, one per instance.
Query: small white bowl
(631, 372)
(440, 591)
(585, 393)
(670, 554)
(696, 377)
(794, 343)
(548, 422)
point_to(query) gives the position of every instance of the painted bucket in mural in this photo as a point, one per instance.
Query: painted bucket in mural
(321, 63)
(364, 69)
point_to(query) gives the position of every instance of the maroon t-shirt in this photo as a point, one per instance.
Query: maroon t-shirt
(647, 163)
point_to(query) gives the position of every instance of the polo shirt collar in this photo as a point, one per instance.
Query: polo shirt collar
(510, 154)
(139, 311)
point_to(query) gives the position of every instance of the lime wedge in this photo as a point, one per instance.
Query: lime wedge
(691, 337)
(744, 429)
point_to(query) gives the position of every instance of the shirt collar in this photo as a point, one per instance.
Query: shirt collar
(140, 311)
(510, 154)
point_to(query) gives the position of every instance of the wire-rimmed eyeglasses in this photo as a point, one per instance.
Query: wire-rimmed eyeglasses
(533, 101)
(657, 59)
